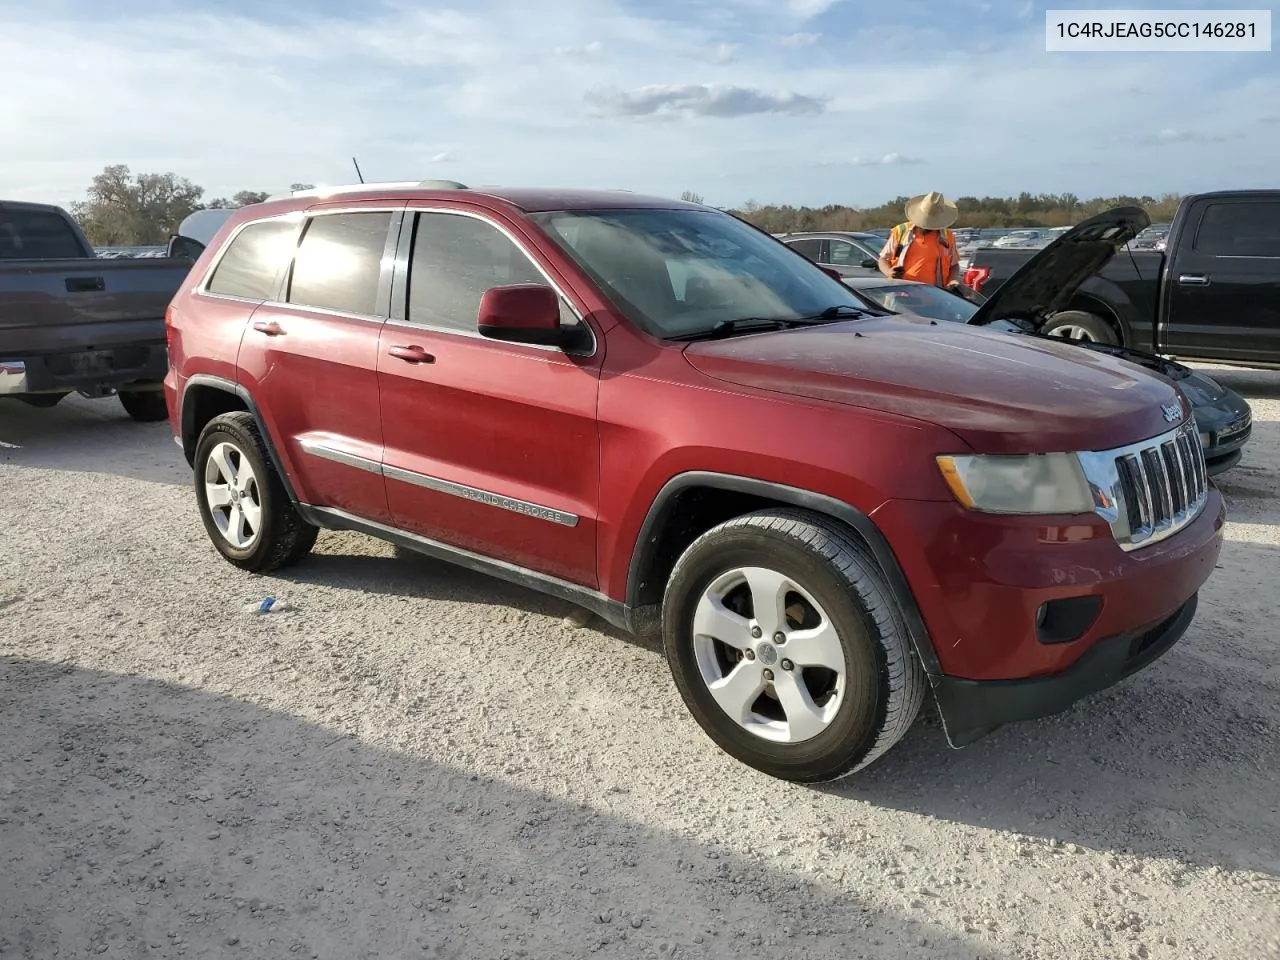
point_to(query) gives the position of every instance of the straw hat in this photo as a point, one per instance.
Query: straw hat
(931, 211)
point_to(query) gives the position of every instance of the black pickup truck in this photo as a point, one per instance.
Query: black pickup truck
(71, 321)
(1213, 294)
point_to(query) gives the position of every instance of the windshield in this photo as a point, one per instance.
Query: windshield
(922, 299)
(675, 273)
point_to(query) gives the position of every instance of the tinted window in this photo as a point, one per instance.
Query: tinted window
(37, 235)
(682, 272)
(253, 259)
(1240, 230)
(339, 261)
(809, 248)
(455, 260)
(921, 299)
(845, 253)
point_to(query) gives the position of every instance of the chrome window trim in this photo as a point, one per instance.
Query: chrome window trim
(526, 508)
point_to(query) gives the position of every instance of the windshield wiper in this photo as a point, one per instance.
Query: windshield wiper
(727, 328)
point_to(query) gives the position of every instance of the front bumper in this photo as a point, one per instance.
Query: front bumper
(974, 708)
(1223, 446)
(90, 370)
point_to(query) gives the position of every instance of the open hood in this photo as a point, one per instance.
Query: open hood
(1046, 283)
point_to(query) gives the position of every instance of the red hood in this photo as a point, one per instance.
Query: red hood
(1000, 394)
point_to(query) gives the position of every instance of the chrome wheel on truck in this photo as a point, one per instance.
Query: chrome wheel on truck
(788, 648)
(245, 508)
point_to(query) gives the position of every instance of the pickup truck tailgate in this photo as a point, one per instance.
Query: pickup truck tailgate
(47, 306)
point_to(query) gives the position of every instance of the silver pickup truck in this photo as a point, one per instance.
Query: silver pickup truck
(73, 322)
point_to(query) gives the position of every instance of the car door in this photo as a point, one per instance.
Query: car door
(849, 258)
(490, 447)
(1222, 297)
(310, 358)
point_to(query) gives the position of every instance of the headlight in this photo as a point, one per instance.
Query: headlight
(1037, 483)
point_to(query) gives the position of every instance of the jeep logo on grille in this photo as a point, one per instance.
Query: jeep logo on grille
(1172, 412)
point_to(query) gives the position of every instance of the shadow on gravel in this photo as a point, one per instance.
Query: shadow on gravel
(141, 818)
(1178, 760)
(410, 574)
(89, 436)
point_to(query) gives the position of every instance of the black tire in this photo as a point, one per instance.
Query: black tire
(282, 537)
(1096, 327)
(145, 406)
(884, 683)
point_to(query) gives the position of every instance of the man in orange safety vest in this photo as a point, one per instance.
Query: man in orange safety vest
(924, 248)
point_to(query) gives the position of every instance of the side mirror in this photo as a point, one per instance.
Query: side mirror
(524, 313)
(833, 273)
(869, 264)
(184, 248)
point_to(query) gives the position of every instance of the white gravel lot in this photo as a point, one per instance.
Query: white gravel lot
(414, 761)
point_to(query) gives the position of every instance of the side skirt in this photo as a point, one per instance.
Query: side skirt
(612, 611)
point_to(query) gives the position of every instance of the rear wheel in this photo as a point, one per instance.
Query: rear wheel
(244, 506)
(147, 406)
(1080, 325)
(788, 648)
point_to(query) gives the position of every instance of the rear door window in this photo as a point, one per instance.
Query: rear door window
(812, 249)
(1249, 229)
(253, 260)
(37, 235)
(339, 263)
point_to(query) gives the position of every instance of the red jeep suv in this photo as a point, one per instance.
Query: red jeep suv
(665, 415)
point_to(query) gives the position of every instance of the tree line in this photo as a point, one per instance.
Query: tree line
(126, 209)
(1024, 210)
(123, 208)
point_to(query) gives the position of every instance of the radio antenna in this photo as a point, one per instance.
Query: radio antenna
(357, 166)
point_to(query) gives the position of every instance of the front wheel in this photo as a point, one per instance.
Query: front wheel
(244, 506)
(788, 648)
(1080, 325)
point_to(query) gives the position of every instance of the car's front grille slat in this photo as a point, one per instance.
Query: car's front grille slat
(1161, 485)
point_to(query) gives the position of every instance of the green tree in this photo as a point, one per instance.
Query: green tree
(127, 209)
(690, 197)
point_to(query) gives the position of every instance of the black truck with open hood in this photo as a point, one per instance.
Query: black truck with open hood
(1212, 294)
(1039, 290)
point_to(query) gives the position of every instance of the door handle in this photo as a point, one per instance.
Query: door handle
(1193, 279)
(269, 327)
(85, 284)
(411, 354)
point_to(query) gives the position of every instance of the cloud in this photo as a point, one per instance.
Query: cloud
(800, 39)
(887, 160)
(592, 49)
(441, 158)
(724, 53)
(1026, 10)
(1170, 135)
(808, 9)
(699, 100)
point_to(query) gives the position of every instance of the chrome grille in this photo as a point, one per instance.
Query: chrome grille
(1149, 490)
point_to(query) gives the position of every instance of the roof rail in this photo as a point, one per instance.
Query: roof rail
(441, 185)
(367, 187)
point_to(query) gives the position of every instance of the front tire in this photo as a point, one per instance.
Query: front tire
(243, 504)
(788, 648)
(145, 406)
(1081, 325)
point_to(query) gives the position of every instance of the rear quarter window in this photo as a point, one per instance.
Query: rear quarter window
(252, 261)
(37, 235)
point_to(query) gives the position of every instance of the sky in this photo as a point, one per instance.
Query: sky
(778, 101)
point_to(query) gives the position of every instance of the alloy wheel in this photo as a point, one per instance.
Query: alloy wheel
(769, 654)
(233, 495)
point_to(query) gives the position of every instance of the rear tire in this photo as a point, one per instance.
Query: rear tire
(145, 406)
(1081, 325)
(244, 506)
(788, 648)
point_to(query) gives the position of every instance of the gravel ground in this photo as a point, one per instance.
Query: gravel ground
(414, 761)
